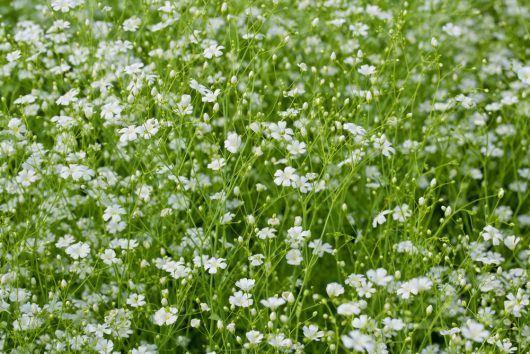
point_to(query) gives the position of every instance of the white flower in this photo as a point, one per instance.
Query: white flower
(524, 75)
(109, 257)
(78, 250)
(380, 218)
(131, 24)
(65, 5)
(136, 300)
(312, 333)
(516, 304)
(279, 341)
(491, 233)
(213, 264)
(104, 346)
(273, 302)
(195, 323)
(393, 324)
(241, 299)
(319, 247)
(474, 331)
(17, 127)
(279, 131)
(65, 241)
(349, 309)
(217, 164)
(26, 177)
(366, 70)
(266, 232)
(511, 242)
(245, 284)
(129, 134)
(286, 177)
(254, 337)
(379, 276)
(113, 212)
(13, 56)
(334, 289)
(233, 142)
(359, 342)
(210, 96)
(294, 257)
(401, 213)
(406, 289)
(165, 316)
(213, 50)
(68, 98)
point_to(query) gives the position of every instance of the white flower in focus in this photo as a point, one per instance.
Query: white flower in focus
(286, 177)
(312, 333)
(294, 257)
(241, 299)
(213, 50)
(233, 143)
(165, 316)
(78, 250)
(245, 284)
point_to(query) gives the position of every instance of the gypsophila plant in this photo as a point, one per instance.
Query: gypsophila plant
(275, 176)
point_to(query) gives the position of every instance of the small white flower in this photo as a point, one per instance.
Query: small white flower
(233, 143)
(286, 177)
(136, 300)
(524, 75)
(78, 250)
(241, 299)
(213, 50)
(13, 56)
(245, 284)
(26, 177)
(511, 242)
(129, 134)
(165, 316)
(312, 333)
(217, 164)
(131, 24)
(109, 257)
(254, 337)
(380, 218)
(64, 5)
(474, 331)
(294, 257)
(366, 70)
(334, 289)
